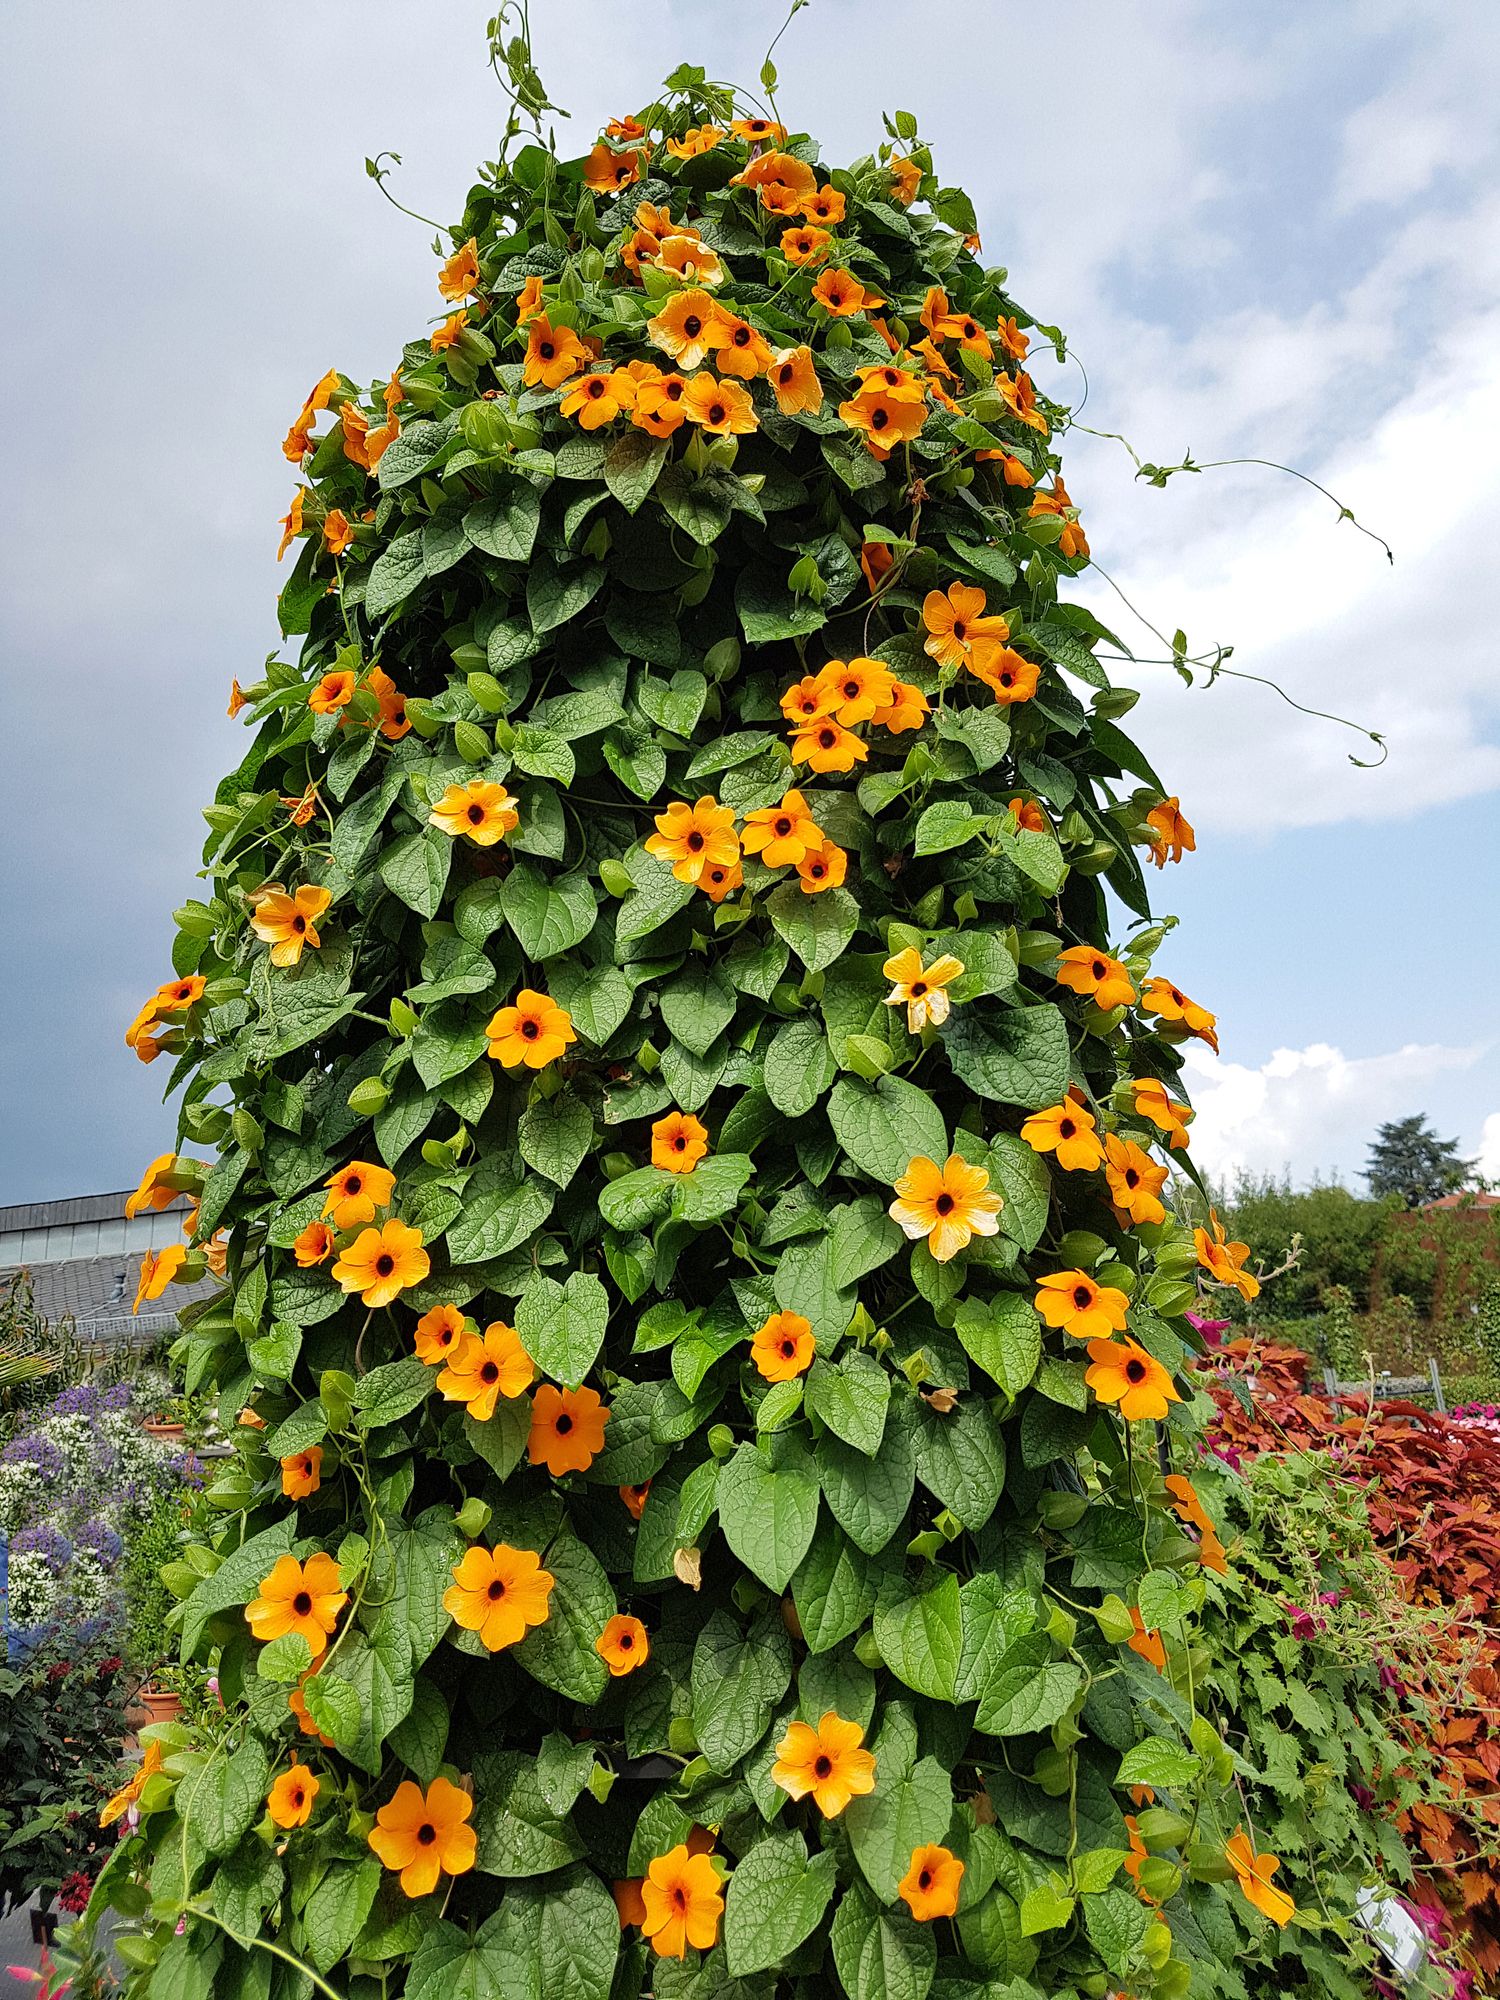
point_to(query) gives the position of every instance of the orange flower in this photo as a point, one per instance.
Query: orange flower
(697, 139)
(805, 244)
(826, 1763)
(808, 700)
(694, 837)
(333, 692)
(1174, 837)
(719, 881)
(483, 1368)
(743, 352)
(658, 399)
(783, 1348)
(382, 1263)
(1012, 341)
(597, 399)
(1066, 1129)
(1253, 1872)
(296, 1701)
(298, 1597)
(439, 1333)
(635, 1498)
(1139, 1852)
(606, 171)
(860, 687)
(908, 708)
(392, 703)
(314, 1246)
(1019, 397)
(238, 699)
(1029, 817)
(828, 746)
(723, 409)
(624, 128)
(153, 1195)
(824, 204)
(623, 1645)
(134, 1785)
(948, 1205)
(1008, 676)
(1163, 998)
(499, 1593)
(1072, 541)
(780, 835)
(337, 533)
(158, 1269)
(483, 813)
(885, 378)
(1071, 1300)
(795, 381)
(1188, 1507)
(919, 988)
(906, 178)
(758, 131)
(1096, 976)
(533, 1030)
(530, 300)
(629, 1903)
(688, 327)
(883, 420)
(356, 1191)
(291, 522)
(1223, 1260)
(425, 1837)
(678, 1142)
(552, 354)
(930, 1885)
(823, 867)
(300, 811)
(689, 259)
(1148, 1644)
(876, 560)
(299, 439)
(958, 629)
(1135, 1180)
(287, 923)
(778, 177)
(683, 1901)
(290, 1801)
(460, 275)
(1123, 1372)
(841, 295)
(362, 446)
(302, 1474)
(567, 1429)
(1012, 470)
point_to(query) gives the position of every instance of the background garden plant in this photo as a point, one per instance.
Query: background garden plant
(682, 1128)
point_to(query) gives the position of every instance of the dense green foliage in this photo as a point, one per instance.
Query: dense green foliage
(1408, 1160)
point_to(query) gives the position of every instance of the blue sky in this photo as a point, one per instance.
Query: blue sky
(1269, 232)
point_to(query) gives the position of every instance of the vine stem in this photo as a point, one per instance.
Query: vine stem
(264, 1944)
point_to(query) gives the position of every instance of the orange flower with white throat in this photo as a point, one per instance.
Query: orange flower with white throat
(356, 1191)
(553, 354)
(481, 812)
(567, 1429)
(805, 244)
(532, 1030)
(921, 989)
(1123, 1372)
(623, 1645)
(287, 923)
(678, 1142)
(314, 1246)
(794, 381)
(841, 295)
(823, 867)
(783, 1347)
(693, 837)
(1067, 1131)
(158, 1270)
(682, 1900)
(1173, 1006)
(483, 1368)
(292, 1796)
(906, 178)
(859, 688)
(302, 1473)
(959, 630)
(1253, 1873)
(781, 835)
(826, 1764)
(723, 409)
(930, 1886)
(883, 420)
(606, 171)
(1072, 1301)
(500, 1593)
(1172, 836)
(697, 139)
(743, 351)
(598, 398)
(459, 276)
(1008, 675)
(382, 1263)
(1135, 1180)
(1225, 1261)
(1166, 1113)
(440, 1332)
(1095, 976)
(305, 1598)
(688, 328)
(423, 1836)
(826, 745)
(948, 1205)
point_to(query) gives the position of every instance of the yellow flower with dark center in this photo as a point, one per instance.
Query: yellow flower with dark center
(1162, 998)
(1224, 1261)
(530, 300)
(958, 627)
(298, 1597)
(1012, 341)
(356, 1191)
(623, 1645)
(826, 1764)
(826, 745)
(1066, 1130)
(678, 1142)
(439, 1333)
(658, 399)
(552, 354)
(314, 1246)
(906, 178)
(1253, 1872)
(130, 1792)
(296, 1701)
(567, 1429)
(808, 700)
(908, 708)
(302, 1473)
(1174, 837)
(949, 1205)
(1073, 1301)
(718, 881)
(382, 1263)
(884, 378)
(1123, 1372)
(1009, 676)
(931, 1884)
(841, 294)
(822, 867)
(758, 131)
(884, 421)
(532, 1030)
(158, 1269)
(606, 171)
(688, 328)
(597, 399)
(424, 1837)
(697, 139)
(723, 409)
(780, 835)
(299, 439)
(744, 352)
(290, 1801)
(783, 1347)
(806, 244)
(689, 259)
(682, 1901)
(480, 811)
(824, 204)
(859, 686)
(482, 1368)
(1135, 1180)
(782, 179)
(794, 379)
(287, 923)
(393, 724)
(460, 274)
(500, 1593)
(1095, 976)
(921, 989)
(693, 838)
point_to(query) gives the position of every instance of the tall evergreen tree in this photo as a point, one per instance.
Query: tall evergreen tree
(1410, 1160)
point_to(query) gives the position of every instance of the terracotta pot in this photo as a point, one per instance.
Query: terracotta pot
(161, 1703)
(163, 1430)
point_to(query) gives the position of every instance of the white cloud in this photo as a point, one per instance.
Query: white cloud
(1488, 1157)
(1311, 1110)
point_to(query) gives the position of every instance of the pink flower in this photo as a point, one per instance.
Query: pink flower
(1212, 1330)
